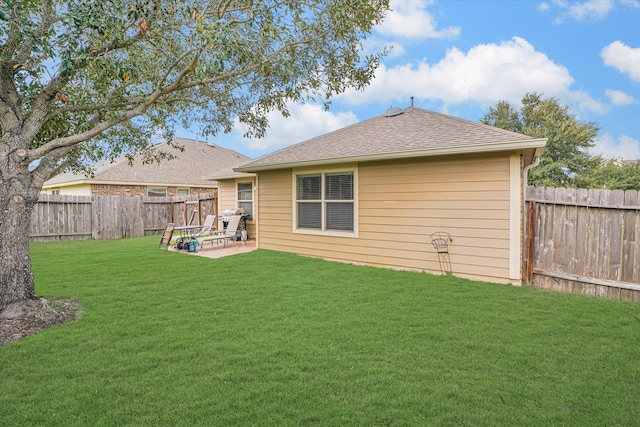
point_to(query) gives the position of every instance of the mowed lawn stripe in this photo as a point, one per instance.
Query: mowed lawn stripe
(269, 338)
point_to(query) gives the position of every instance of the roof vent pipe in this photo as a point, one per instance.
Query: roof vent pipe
(412, 101)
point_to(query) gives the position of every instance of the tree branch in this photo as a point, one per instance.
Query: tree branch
(49, 166)
(223, 8)
(40, 108)
(87, 108)
(72, 140)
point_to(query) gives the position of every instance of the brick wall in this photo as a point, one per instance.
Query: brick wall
(118, 190)
(140, 190)
(201, 190)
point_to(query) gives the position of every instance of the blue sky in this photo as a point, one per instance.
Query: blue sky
(461, 57)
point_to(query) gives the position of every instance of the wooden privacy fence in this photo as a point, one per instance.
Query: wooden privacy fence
(583, 241)
(114, 217)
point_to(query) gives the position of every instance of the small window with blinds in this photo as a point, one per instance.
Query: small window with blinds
(325, 202)
(245, 198)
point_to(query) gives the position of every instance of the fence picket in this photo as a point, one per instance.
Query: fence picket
(111, 217)
(604, 240)
(587, 241)
(560, 243)
(582, 232)
(617, 230)
(570, 229)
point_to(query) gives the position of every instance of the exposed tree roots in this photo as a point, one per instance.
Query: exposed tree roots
(28, 317)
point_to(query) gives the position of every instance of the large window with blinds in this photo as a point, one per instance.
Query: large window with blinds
(325, 202)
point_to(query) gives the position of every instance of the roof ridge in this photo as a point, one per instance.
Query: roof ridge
(412, 130)
(108, 164)
(310, 140)
(187, 168)
(470, 122)
(211, 144)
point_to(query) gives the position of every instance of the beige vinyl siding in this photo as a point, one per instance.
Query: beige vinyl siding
(75, 190)
(400, 203)
(275, 209)
(228, 199)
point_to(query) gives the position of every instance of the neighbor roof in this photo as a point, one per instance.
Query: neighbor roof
(228, 173)
(412, 132)
(185, 170)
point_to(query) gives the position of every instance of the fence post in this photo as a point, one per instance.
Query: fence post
(530, 249)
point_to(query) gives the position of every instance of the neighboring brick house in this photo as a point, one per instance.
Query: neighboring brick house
(181, 176)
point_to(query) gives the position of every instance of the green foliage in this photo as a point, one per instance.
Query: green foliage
(504, 116)
(269, 338)
(565, 161)
(616, 175)
(99, 78)
(84, 80)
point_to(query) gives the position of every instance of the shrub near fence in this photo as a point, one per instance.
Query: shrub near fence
(584, 241)
(114, 217)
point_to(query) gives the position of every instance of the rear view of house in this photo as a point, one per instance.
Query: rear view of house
(372, 193)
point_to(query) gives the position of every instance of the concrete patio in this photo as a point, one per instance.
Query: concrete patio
(211, 250)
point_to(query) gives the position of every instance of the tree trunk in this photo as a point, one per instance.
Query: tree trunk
(16, 276)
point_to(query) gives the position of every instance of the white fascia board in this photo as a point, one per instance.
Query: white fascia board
(67, 183)
(463, 149)
(229, 175)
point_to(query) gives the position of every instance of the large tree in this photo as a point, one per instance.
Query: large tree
(616, 175)
(565, 161)
(92, 79)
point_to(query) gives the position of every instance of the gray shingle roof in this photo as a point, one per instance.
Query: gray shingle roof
(188, 169)
(414, 131)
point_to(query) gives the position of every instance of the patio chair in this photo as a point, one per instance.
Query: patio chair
(207, 227)
(229, 233)
(165, 240)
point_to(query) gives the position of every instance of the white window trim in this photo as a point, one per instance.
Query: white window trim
(351, 168)
(253, 203)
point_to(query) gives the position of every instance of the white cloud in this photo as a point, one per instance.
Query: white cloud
(583, 101)
(590, 10)
(619, 98)
(306, 121)
(635, 4)
(410, 19)
(625, 147)
(487, 73)
(376, 44)
(623, 58)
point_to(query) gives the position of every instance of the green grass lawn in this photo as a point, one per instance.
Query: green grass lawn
(268, 338)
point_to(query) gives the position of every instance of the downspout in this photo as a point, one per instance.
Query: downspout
(256, 219)
(525, 181)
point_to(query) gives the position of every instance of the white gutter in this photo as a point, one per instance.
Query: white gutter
(525, 178)
(230, 175)
(140, 183)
